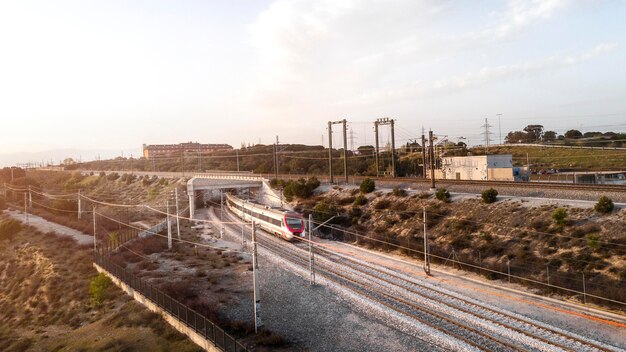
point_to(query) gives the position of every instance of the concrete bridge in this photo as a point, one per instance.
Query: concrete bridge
(211, 182)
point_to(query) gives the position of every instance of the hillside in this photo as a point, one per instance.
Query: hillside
(486, 235)
(46, 306)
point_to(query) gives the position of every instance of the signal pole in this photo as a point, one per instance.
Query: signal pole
(255, 278)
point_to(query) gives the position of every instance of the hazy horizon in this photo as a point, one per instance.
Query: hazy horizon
(110, 76)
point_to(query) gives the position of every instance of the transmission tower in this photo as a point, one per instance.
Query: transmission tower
(487, 134)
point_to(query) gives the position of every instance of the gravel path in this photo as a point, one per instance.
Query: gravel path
(46, 226)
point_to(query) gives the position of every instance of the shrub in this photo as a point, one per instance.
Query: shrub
(367, 186)
(443, 195)
(98, 288)
(324, 211)
(301, 188)
(604, 205)
(559, 216)
(398, 192)
(490, 195)
(360, 200)
(9, 228)
(112, 177)
(593, 241)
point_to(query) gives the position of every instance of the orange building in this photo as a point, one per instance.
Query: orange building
(159, 150)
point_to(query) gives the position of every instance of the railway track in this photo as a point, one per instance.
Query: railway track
(477, 325)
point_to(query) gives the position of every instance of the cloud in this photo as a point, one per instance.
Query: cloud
(519, 15)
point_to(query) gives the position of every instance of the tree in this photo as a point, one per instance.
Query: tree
(367, 186)
(604, 205)
(535, 132)
(323, 211)
(592, 134)
(98, 288)
(549, 136)
(365, 150)
(573, 134)
(489, 195)
(559, 216)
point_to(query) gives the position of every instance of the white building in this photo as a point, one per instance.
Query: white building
(498, 167)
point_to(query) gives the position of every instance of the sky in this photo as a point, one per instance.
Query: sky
(88, 76)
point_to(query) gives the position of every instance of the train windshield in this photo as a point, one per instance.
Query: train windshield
(294, 223)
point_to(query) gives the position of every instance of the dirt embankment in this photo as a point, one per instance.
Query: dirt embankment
(488, 235)
(46, 306)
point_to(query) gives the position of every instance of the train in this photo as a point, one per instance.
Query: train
(283, 223)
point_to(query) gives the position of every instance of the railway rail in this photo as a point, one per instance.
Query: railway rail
(478, 325)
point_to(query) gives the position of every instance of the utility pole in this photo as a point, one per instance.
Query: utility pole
(26, 209)
(499, 127)
(237, 151)
(255, 278)
(169, 226)
(423, 155)
(345, 150)
(177, 214)
(330, 151)
(221, 214)
(426, 248)
(391, 123)
(30, 197)
(311, 256)
(182, 158)
(243, 224)
(276, 159)
(431, 157)
(376, 146)
(94, 230)
(79, 206)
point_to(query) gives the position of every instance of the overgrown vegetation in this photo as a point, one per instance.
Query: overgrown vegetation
(559, 216)
(9, 228)
(300, 188)
(443, 195)
(367, 186)
(489, 195)
(98, 288)
(604, 205)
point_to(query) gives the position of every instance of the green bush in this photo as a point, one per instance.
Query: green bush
(490, 195)
(98, 288)
(360, 200)
(9, 228)
(443, 195)
(604, 205)
(300, 188)
(398, 192)
(367, 186)
(324, 211)
(559, 216)
(593, 241)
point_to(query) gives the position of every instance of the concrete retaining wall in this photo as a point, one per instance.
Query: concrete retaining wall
(177, 324)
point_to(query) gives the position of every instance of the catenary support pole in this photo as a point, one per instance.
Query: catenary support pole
(30, 197)
(423, 156)
(94, 230)
(584, 290)
(330, 151)
(221, 213)
(80, 206)
(508, 269)
(431, 157)
(169, 226)
(426, 249)
(345, 150)
(26, 208)
(237, 151)
(376, 146)
(393, 150)
(255, 282)
(311, 255)
(177, 215)
(548, 273)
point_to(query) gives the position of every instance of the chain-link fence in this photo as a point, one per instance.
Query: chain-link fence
(194, 320)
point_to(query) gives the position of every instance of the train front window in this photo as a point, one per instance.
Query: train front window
(294, 223)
